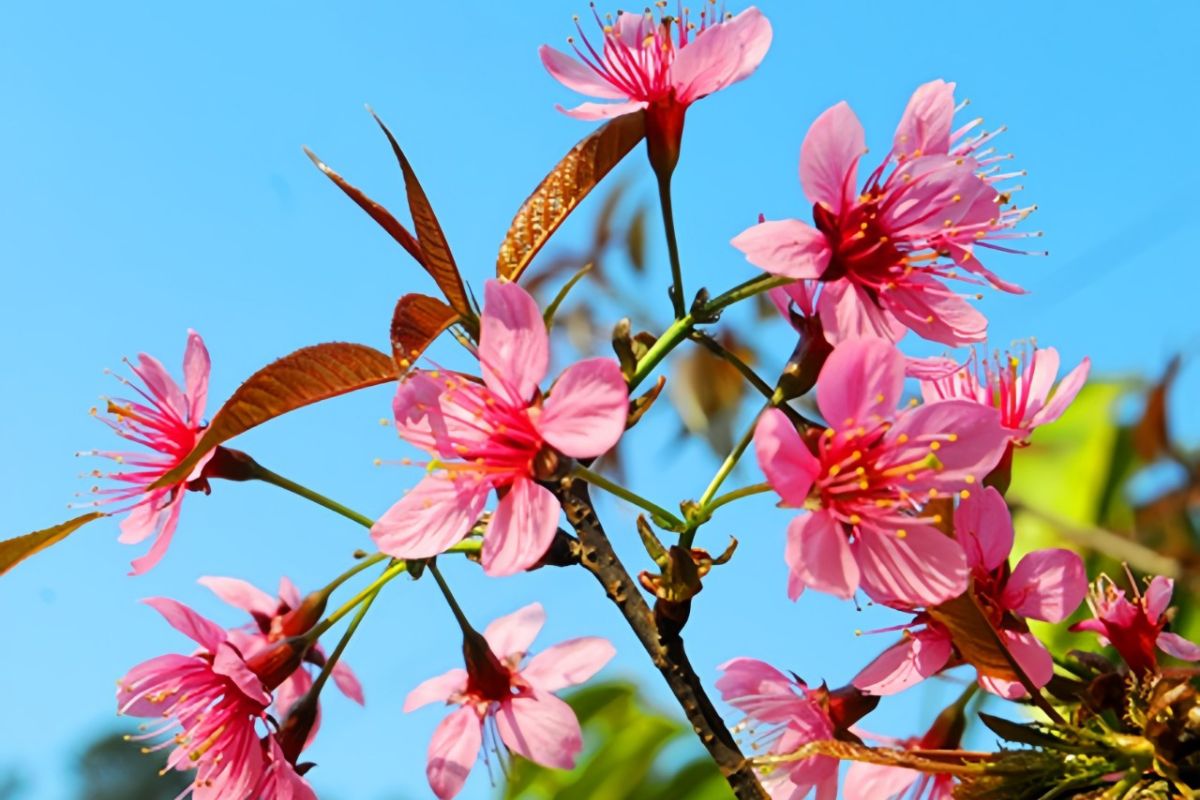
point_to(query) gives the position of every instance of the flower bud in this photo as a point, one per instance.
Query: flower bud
(276, 663)
(297, 726)
(485, 674)
(303, 617)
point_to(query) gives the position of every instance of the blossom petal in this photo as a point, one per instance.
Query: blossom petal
(984, 528)
(513, 633)
(437, 513)
(1034, 659)
(514, 350)
(785, 459)
(452, 752)
(596, 111)
(166, 520)
(229, 662)
(924, 128)
(877, 781)
(861, 381)
(585, 414)
(1047, 585)
(922, 567)
(241, 594)
(971, 441)
(576, 76)
(436, 690)
(348, 683)
(829, 157)
(541, 728)
(847, 312)
(919, 656)
(820, 555)
(200, 630)
(1175, 645)
(786, 247)
(721, 55)
(162, 386)
(932, 311)
(521, 529)
(759, 690)
(1067, 389)
(1158, 596)
(568, 663)
(196, 366)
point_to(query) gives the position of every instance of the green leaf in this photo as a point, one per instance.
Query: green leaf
(14, 551)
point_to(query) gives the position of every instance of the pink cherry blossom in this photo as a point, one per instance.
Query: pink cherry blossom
(784, 716)
(510, 701)
(882, 255)
(660, 65)
(168, 421)
(206, 705)
(1046, 584)
(281, 780)
(1136, 627)
(273, 621)
(1021, 386)
(497, 435)
(883, 782)
(873, 470)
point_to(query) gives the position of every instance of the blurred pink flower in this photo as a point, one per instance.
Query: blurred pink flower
(1136, 628)
(661, 65)
(499, 697)
(1046, 584)
(874, 469)
(206, 704)
(882, 254)
(498, 435)
(273, 621)
(168, 421)
(784, 716)
(1025, 395)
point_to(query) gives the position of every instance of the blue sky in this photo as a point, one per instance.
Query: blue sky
(154, 182)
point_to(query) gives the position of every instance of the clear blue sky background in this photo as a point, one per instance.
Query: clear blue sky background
(154, 181)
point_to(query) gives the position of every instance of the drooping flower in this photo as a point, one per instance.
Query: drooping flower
(169, 422)
(498, 697)
(873, 471)
(782, 715)
(1047, 585)
(1136, 628)
(281, 780)
(1020, 386)
(275, 619)
(882, 255)
(499, 434)
(660, 65)
(206, 705)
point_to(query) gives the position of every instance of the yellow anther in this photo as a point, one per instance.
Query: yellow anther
(969, 479)
(964, 494)
(864, 485)
(902, 438)
(901, 534)
(952, 437)
(935, 445)
(855, 519)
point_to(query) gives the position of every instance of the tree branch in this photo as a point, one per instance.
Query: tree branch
(665, 650)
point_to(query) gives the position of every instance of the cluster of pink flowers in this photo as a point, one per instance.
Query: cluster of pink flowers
(901, 500)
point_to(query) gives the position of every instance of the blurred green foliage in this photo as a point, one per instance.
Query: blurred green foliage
(624, 756)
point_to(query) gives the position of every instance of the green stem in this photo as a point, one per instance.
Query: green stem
(664, 196)
(679, 330)
(706, 499)
(332, 660)
(737, 494)
(369, 591)
(463, 622)
(661, 516)
(259, 472)
(350, 573)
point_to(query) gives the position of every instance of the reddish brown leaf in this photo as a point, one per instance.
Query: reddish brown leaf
(307, 376)
(438, 259)
(374, 210)
(416, 322)
(974, 636)
(14, 551)
(1152, 435)
(561, 191)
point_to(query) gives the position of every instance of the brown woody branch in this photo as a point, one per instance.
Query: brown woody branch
(666, 649)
